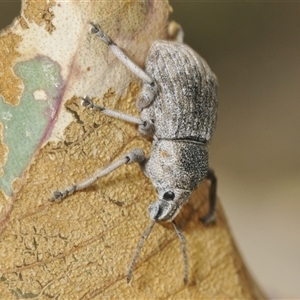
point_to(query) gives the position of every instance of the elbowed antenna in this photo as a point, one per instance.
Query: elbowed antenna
(138, 249)
(141, 243)
(185, 258)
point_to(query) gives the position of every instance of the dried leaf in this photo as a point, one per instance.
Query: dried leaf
(81, 248)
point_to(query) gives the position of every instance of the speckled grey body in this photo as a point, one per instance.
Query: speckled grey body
(183, 115)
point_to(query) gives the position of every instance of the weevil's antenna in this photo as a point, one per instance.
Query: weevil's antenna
(138, 249)
(185, 258)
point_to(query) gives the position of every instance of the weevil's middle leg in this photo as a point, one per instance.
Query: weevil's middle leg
(145, 127)
(211, 217)
(135, 155)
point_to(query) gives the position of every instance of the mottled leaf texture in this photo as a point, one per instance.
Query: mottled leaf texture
(81, 248)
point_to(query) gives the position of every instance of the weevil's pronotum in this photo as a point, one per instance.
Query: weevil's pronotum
(178, 108)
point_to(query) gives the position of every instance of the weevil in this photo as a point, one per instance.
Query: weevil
(178, 109)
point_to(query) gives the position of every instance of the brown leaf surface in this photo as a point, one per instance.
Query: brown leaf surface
(81, 248)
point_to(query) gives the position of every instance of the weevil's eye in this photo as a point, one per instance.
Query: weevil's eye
(168, 196)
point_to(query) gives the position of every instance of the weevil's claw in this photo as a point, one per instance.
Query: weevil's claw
(97, 30)
(208, 219)
(86, 101)
(57, 196)
(95, 27)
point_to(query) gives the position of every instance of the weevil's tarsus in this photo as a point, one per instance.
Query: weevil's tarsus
(97, 31)
(137, 251)
(211, 216)
(59, 195)
(184, 253)
(135, 155)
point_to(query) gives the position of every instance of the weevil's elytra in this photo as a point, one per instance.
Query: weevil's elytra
(178, 105)
(186, 104)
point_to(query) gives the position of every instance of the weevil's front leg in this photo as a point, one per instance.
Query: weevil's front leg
(145, 127)
(135, 155)
(211, 217)
(150, 89)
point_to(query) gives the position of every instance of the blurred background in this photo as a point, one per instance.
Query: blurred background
(254, 49)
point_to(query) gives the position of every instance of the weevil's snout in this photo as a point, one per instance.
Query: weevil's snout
(164, 209)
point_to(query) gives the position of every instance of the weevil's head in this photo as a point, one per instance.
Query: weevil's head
(168, 205)
(175, 168)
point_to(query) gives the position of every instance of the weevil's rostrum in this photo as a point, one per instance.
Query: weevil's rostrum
(178, 105)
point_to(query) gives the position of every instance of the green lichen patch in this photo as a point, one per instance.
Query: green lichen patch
(25, 125)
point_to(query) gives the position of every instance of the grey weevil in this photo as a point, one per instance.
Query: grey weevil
(178, 108)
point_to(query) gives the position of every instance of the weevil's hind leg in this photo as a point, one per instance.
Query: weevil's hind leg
(150, 89)
(211, 217)
(145, 127)
(135, 155)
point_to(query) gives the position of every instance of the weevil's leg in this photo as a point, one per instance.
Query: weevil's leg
(87, 102)
(150, 88)
(145, 127)
(210, 217)
(121, 55)
(135, 155)
(175, 32)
